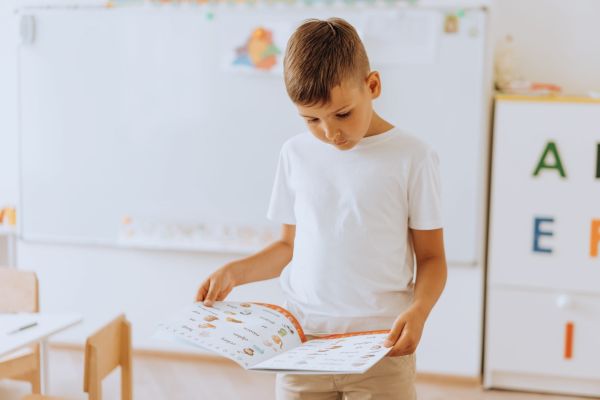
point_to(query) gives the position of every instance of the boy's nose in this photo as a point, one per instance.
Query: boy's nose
(331, 133)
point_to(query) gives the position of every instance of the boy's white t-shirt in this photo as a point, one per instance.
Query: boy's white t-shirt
(353, 263)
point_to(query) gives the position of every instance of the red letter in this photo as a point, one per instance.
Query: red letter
(594, 237)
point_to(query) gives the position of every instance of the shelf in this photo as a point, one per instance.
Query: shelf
(203, 248)
(8, 230)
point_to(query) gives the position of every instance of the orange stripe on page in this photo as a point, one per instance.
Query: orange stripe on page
(569, 328)
(289, 316)
(345, 335)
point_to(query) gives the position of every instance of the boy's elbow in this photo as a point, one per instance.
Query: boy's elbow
(438, 261)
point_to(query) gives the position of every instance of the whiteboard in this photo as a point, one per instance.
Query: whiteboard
(130, 111)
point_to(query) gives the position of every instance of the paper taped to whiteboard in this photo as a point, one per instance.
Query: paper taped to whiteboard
(403, 37)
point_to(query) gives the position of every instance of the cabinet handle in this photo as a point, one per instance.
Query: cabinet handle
(569, 328)
(564, 301)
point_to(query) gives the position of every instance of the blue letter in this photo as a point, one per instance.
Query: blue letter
(537, 232)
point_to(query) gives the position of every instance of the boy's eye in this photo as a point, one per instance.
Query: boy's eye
(344, 115)
(313, 120)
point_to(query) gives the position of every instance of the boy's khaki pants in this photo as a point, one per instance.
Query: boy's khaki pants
(391, 378)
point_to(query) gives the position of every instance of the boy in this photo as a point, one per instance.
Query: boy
(358, 200)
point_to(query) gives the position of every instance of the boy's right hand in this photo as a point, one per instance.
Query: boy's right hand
(217, 286)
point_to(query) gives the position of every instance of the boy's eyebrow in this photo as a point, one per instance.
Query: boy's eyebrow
(336, 111)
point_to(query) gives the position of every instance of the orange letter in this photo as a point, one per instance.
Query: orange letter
(594, 237)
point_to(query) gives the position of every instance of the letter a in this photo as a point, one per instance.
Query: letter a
(557, 164)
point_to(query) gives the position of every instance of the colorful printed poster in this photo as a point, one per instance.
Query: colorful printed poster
(266, 337)
(254, 46)
(259, 51)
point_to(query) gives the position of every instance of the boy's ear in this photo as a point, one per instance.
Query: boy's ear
(373, 82)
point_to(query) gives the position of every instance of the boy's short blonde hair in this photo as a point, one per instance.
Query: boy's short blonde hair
(320, 55)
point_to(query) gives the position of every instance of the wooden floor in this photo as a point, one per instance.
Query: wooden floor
(158, 378)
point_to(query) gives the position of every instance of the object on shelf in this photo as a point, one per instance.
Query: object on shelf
(533, 88)
(8, 216)
(507, 77)
(594, 94)
(505, 63)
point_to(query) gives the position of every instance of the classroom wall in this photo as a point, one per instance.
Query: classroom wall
(8, 110)
(8, 120)
(147, 285)
(572, 60)
(101, 281)
(555, 40)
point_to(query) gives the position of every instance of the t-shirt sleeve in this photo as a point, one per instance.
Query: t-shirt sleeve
(424, 194)
(281, 206)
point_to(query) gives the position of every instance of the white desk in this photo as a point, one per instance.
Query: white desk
(47, 325)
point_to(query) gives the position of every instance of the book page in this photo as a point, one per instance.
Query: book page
(248, 333)
(335, 354)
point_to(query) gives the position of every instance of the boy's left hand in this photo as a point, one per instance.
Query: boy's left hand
(406, 332)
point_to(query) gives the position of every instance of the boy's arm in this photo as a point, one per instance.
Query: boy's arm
(429, 284)
(266, 264)
(269, 262)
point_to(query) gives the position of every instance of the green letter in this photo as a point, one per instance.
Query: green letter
(550, 148)
(598, 160)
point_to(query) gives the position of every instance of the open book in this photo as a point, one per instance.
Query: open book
(267, 337)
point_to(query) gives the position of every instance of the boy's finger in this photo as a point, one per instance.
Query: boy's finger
(401, 344)
(406, 344)
(394, 334)
(202, 291)
(211, 296)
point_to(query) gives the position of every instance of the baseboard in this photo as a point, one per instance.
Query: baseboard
(542, 383)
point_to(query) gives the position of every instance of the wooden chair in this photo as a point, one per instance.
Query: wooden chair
(19, 293)
(105, 350)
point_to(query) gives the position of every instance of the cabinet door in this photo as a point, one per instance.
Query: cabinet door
(566, 200)
(528, 333)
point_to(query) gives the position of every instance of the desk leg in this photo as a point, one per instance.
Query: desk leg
(44, 366)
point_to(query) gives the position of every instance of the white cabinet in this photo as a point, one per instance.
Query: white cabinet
(543, 297)
(545, 332)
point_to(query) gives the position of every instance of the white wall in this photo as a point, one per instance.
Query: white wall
(8, 121)
(556, 41)
(8, 109)
(100, 282)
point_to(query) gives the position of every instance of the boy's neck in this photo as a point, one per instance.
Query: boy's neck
(378, 125)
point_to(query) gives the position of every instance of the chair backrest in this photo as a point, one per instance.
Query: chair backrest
(18, 291)
(105, 350)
